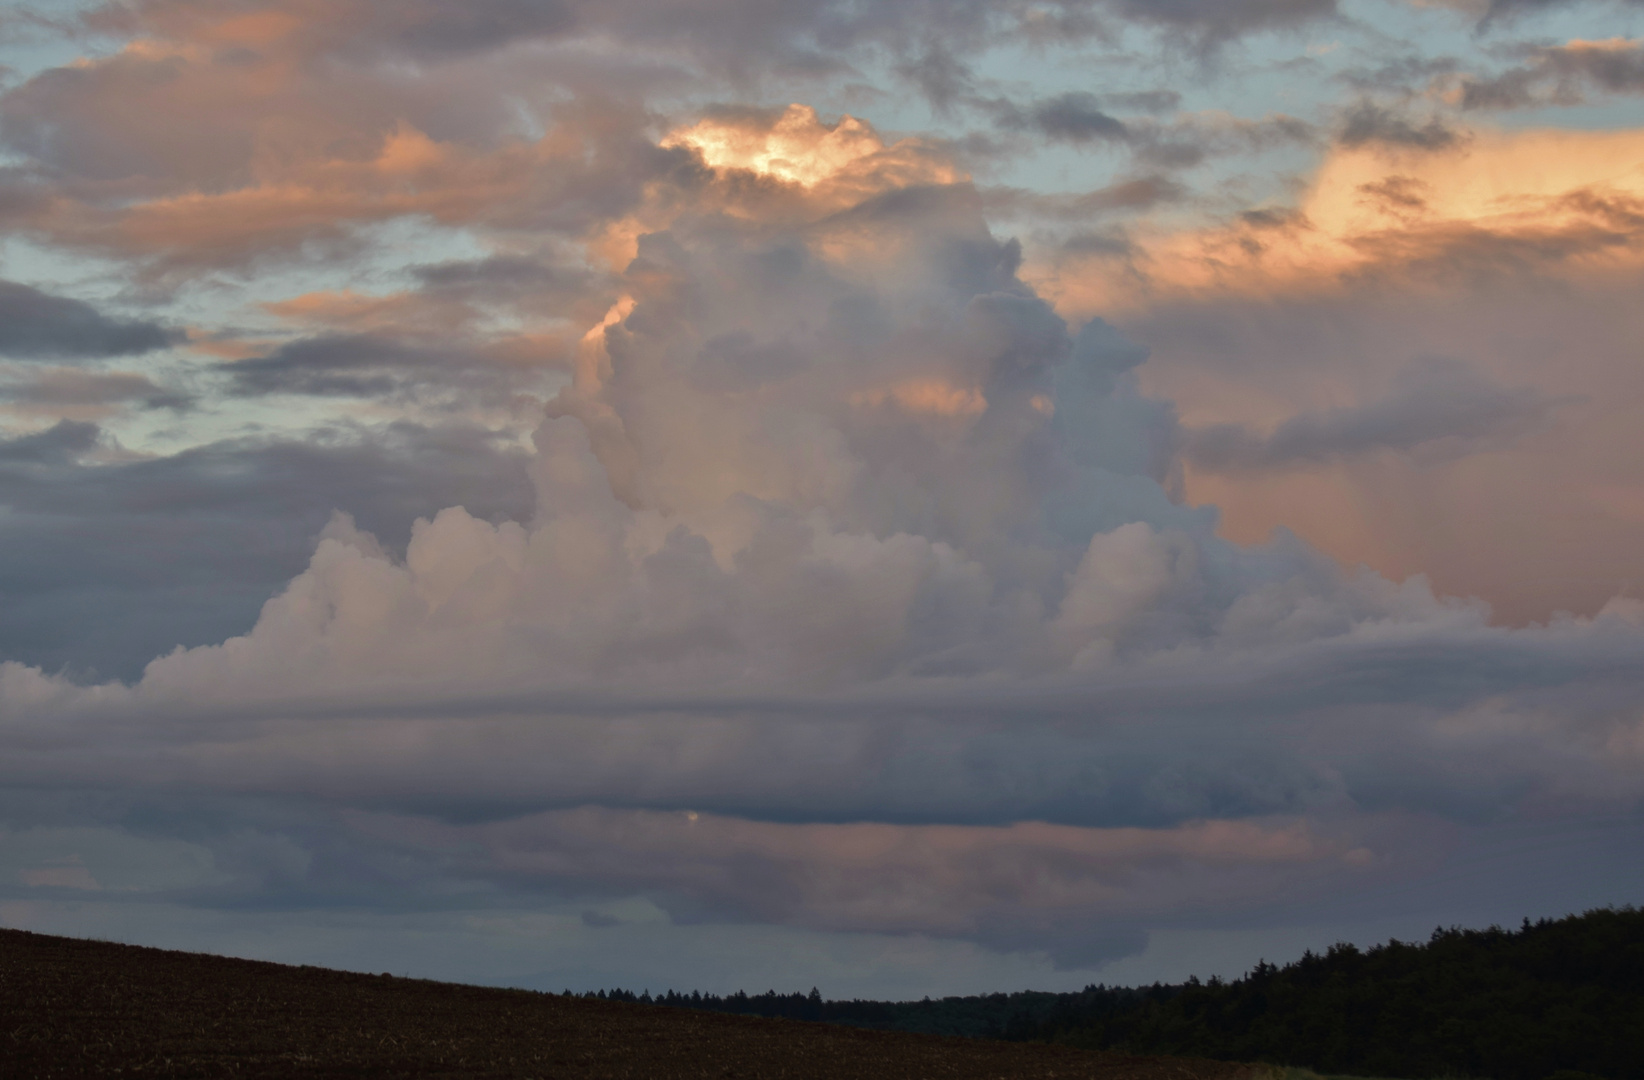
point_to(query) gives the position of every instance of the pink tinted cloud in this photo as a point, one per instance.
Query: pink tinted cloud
(943, 880)
(1505, 256)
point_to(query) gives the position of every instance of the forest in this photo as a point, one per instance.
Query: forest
(1557, 998)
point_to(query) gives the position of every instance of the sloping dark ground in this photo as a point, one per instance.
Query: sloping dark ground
(72, 1008)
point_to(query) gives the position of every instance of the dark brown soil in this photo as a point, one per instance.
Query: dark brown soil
(72, 1008)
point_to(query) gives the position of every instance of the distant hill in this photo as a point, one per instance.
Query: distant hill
(76, 1009)
(1563, 995)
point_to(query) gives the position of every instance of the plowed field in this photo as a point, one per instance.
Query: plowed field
(72, 1008)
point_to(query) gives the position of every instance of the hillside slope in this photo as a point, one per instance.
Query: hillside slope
(71, 1008)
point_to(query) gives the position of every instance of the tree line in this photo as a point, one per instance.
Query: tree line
(1553, 996)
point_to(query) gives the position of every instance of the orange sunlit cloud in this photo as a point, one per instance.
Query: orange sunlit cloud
(934, 397)
(1460, 252)
(1541, 196)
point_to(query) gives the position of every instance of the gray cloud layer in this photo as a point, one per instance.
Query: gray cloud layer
(111, 564)
(1437, 409)
(1560, 75)
(1367, 122)
(36, 325)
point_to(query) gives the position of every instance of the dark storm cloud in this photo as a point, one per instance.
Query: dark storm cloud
(1368, 122)
(36, 325)
(1438, 409)
(111, 564)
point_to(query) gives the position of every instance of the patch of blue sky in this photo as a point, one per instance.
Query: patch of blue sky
(216, 418)
(77, 274)
(377, 266)
(1306, 71)
(236, 305)
(33, 37)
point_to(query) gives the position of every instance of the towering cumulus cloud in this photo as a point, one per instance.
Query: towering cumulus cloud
(774, 559)
(855, 598)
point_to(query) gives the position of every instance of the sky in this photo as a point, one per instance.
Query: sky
(906, 497)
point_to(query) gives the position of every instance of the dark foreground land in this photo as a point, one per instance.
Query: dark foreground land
(72, 1008)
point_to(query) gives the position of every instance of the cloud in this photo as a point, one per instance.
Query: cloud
(64, 390)
(52, 446)
(284, 168)
(1490, 13)
(1260, 13)
(943, 78)
(1146, 101)
(1437, 410)
(1368, 122)
(1141, 193)
(503, 276)
(426, 29)
(794, 36)
(1561, 75)
(1072, 117)
(858, 577)
(37, 325)
(1511, 250)
(311, 128)
(1078, 117)
(837, 164)
(855, 595)
(1487, 206)
(352, 366)
(947, 880)
(114, 559)
(1494, 9)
